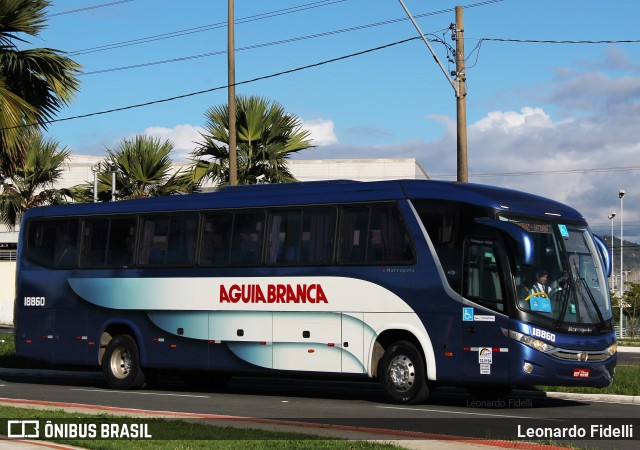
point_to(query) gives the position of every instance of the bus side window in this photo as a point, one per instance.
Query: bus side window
(216, 239)
(388, 237)
(374, 234)
(481, 274)
(122, 235)
(283, 246)
(318, 235)
(53, 243)
(183, 235)
(168, 240)
(94, 242)
(108, 242)
(353, 235)
(246, 242)
(153, 241)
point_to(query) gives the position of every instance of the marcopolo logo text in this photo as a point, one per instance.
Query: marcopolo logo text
(272, 293)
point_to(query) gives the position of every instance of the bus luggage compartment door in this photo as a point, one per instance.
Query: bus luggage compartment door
(307, 341)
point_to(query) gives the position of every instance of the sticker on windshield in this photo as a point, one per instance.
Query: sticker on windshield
(563, 230)
(541, 304)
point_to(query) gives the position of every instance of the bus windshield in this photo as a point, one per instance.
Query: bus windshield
(566, 285)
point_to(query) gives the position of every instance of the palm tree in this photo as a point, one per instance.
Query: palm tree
(31, 184)
(34, 83)
(143, 169)
(266, 137)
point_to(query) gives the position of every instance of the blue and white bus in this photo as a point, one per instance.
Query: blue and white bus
(414, 283)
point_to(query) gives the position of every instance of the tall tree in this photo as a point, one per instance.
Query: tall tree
(632, 306)
(34, 83)
(32, 183)
(143, 169)
(266, 136)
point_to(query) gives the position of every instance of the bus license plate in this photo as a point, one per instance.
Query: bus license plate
(580, 373)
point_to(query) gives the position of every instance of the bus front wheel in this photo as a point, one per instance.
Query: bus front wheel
(121, 364)
(402, 374)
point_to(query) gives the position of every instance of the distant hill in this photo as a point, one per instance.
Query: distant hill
(631, 253)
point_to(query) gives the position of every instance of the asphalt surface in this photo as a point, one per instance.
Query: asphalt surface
(356, 433)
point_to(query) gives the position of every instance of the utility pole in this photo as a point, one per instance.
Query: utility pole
(459, 87)
(461, 98)
(231, 65)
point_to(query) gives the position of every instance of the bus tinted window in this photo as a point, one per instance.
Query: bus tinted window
(318, 236)
(285, 229)
(482, 282)
(246, 241)
(216, 239)
(108, 242)
(53, 243)
(168, 240)
(374, 234)
(301, 236)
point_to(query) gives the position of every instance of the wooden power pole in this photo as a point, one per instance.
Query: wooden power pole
(459, 87)
(231, 58)
(461, 98)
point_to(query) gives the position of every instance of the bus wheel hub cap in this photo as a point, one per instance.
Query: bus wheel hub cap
(402, 373)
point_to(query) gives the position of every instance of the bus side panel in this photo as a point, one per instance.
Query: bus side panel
(446, 345)
(36, 340)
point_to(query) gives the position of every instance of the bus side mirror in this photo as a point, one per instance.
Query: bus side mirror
(520, 236)
(604, 252)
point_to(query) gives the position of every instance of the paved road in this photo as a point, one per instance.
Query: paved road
(341, 405)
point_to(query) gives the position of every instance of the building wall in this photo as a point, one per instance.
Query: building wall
(7, 290)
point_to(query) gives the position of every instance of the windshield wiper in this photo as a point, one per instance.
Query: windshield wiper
(593, 301)
(569, 282)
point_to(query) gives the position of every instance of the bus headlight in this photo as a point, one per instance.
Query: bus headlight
(612, 349)
(537, 344)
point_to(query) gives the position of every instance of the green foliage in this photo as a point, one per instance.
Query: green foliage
(266, 137)
(32, 182)
(34, 83)
(143, 169)
(631, 305)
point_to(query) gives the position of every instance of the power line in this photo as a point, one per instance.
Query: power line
(87, 8)
(551, 41)
(545, 172)
(191, 94)
(283, 41)
(202, 28)
(266, 15)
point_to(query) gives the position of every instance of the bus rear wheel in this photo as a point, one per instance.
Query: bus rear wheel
(121, 364)
(402, 374)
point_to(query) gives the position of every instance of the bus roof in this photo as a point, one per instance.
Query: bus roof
(335, 191)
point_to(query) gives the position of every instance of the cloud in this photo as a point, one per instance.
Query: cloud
(184, 138)
(322, 133)
(581, 155)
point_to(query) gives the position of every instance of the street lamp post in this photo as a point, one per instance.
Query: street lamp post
(613, 276)
(114, 170)
(95, 169)
(621, 195)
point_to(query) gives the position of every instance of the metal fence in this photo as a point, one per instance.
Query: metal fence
(7, 255)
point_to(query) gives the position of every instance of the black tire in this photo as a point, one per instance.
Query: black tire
(121, 364)
(490, 392)
(402, 374)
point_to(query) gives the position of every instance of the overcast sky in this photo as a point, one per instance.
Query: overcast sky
(556, 119)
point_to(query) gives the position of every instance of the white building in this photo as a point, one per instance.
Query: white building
(79, 172)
